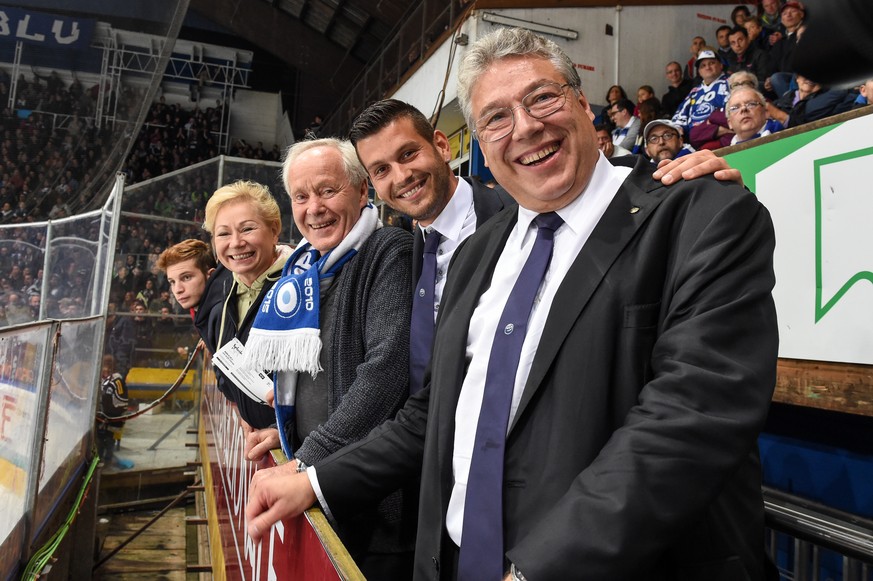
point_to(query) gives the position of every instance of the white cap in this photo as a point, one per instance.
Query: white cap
(652, 124)
(704, 54)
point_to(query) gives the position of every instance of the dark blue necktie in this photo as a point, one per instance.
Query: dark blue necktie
(421, 330)
(481, 556)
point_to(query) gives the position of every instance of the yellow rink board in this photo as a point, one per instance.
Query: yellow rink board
(152, 382)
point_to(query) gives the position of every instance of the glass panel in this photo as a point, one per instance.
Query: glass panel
(22, 258)
(74, 245)
(22, 355)
(71, 409)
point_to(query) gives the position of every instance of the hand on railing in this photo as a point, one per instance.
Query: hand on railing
(260, 442)
(275, 494)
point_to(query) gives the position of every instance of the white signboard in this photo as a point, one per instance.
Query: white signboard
(820, 194)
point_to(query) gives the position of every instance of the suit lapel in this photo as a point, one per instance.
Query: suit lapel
(628, 211)
(469, 277)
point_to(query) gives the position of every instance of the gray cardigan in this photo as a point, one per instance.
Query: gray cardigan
(367, 367)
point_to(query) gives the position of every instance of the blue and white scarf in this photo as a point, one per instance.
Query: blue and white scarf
(285, 336)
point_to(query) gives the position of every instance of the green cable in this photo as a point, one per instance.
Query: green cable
(44, 554)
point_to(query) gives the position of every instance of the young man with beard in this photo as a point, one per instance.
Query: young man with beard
(407, 161)
(663, 140)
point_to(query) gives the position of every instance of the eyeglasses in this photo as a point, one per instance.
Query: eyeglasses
(539, 103)
(666, 136)
(750, 106)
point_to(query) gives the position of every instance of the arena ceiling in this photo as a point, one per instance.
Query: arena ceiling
(324, 43)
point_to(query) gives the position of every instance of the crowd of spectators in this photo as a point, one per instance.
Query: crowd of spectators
(174, 137)
(52, 153)
(52, 156)
(51, 149)
(754, 53)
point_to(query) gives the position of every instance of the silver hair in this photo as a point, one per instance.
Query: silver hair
(503, 43)
(744, 75)
(757, 93)
(355, 172)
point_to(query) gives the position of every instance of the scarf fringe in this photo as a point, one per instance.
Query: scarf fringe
(285, 335)
(296, 350)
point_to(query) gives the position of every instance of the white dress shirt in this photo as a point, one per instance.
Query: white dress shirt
(456, 222)
(580, 217)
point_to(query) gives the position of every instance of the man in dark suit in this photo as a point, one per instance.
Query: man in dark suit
(408, 164)
(644, 377)
(407, 161)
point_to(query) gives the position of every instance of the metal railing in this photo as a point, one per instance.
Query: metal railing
(424, 27)
(810, 542)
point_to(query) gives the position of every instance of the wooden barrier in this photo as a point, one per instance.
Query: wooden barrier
(837, 387)
(813, 178)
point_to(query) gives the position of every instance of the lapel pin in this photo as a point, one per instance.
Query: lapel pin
(634, 209)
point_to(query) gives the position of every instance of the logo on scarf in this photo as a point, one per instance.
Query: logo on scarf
(287, 299)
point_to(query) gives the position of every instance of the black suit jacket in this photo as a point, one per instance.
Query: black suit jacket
(633, 451)
(209, 319)
(486, 203)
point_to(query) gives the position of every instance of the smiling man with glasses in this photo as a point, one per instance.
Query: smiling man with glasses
(663, 140)
(603, 363)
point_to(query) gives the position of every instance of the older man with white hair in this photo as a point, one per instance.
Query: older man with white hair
(747, 115)
(335, 327)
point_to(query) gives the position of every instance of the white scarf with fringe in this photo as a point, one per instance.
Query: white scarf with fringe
(285, 335)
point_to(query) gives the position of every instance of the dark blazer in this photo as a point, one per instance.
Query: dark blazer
(633, 451)
(208, 321)
(486, 202)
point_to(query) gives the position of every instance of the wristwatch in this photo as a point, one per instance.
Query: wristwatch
(516, 574)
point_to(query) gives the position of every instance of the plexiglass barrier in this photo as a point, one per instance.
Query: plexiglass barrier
(49, 370)
(71, 402)
(23, 394)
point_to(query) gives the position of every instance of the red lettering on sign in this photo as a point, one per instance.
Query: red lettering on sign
(711, 18)
(8, 406)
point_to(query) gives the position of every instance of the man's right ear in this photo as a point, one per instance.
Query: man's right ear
(209, 272)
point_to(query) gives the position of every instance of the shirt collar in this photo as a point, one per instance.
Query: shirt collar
(721, 78)
(283, 252)
(450, 222)
(605, 181)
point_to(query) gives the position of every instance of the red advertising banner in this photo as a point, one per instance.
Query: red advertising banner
(303, 548)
